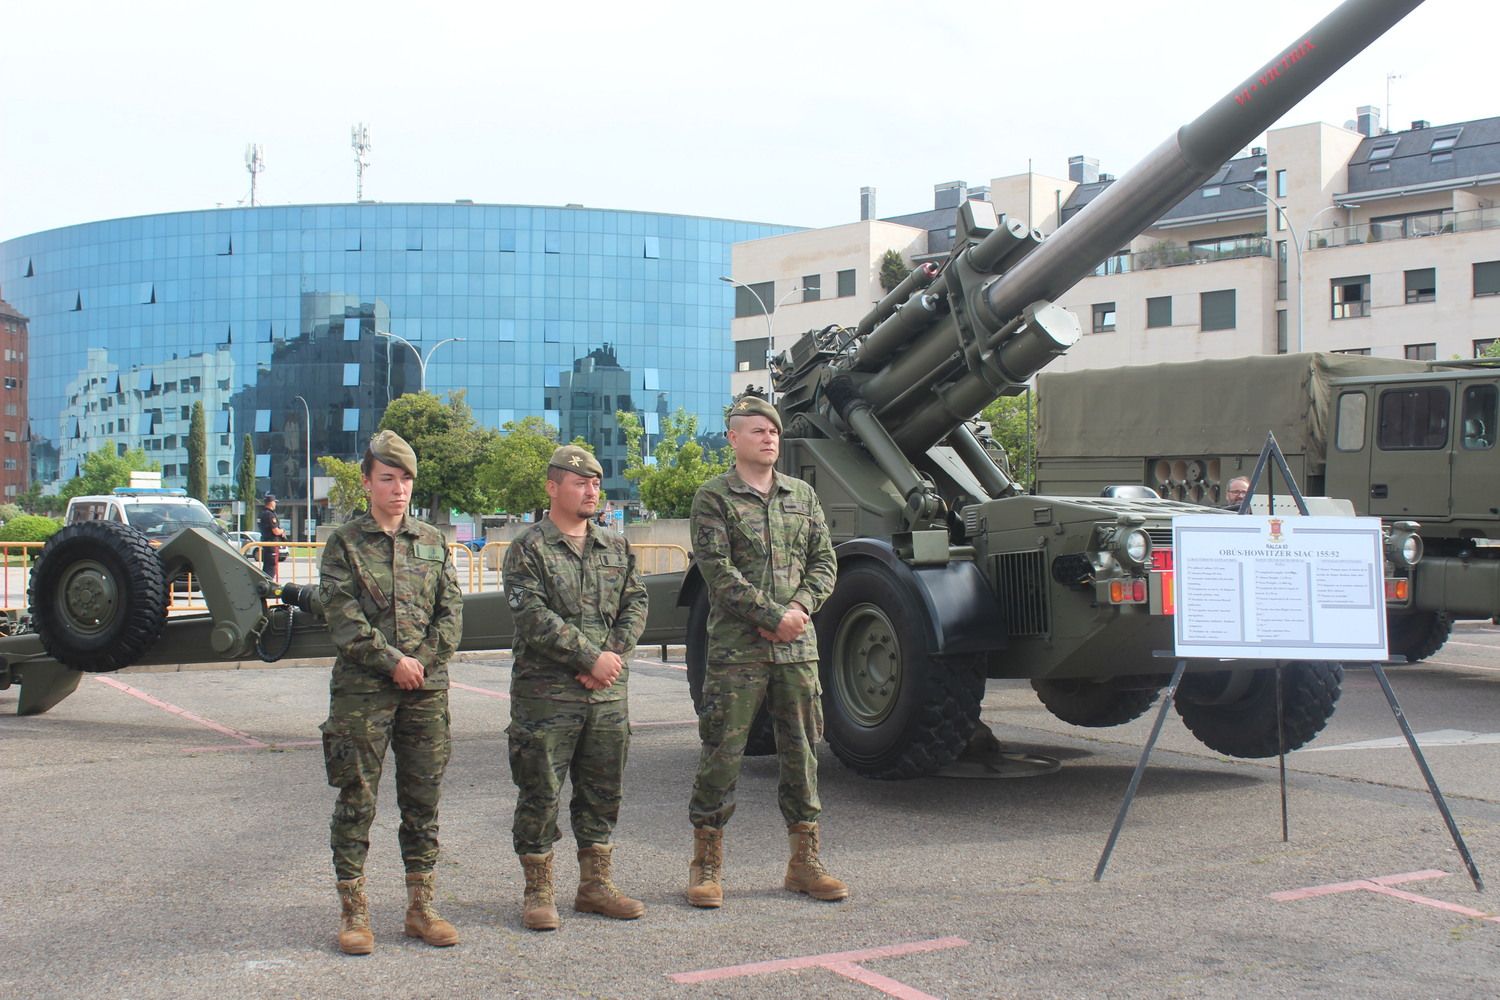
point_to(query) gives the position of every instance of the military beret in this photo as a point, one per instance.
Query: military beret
(388, 448)
(576, 459)
(753, 406)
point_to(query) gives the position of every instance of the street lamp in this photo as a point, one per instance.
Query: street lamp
(1296, 245)
(307, 424)
(421, 361)
(770, 325)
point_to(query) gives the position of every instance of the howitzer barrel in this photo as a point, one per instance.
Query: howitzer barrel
(1120, 213)
(920, 277)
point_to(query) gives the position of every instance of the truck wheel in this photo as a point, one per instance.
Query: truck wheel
(892, 709)
(762, 741)
(1081, 702)
(1416, 637)
(98, 596)
(1246, 726)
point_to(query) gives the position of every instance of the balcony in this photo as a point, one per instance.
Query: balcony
(1410, 227)
(1165, 254)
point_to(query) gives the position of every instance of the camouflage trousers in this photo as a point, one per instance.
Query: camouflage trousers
(553, 740)
(732, 695)
(359, 729)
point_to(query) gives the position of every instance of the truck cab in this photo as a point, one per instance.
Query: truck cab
(156, 512)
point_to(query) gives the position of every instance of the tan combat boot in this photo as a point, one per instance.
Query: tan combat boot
(539, 911)
(705, 874)
(804, 872)
(422, 920)
(597, 892)
(354, 920)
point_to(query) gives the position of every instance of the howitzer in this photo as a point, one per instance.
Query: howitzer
(947, 575)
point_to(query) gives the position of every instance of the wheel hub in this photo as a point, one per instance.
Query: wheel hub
(867, 665)
(90, 597)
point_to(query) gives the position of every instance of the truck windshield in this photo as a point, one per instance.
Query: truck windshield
(157, 520)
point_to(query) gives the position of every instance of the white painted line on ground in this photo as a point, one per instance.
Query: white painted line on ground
(1435, 738)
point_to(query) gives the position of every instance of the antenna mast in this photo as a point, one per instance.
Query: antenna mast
(359, 141)
(255, 163)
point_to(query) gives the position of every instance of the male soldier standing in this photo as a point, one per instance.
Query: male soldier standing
(762, 545)
(393, 607)
(579, 608)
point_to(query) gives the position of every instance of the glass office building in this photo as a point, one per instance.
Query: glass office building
(564, 313)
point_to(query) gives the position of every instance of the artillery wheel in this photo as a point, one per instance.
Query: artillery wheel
(893, 710)
(762, 741)
(98, 596)
(1416, 637)
(1246, 726)
(1083, 702)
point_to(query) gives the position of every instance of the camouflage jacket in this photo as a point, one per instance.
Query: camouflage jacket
(757, 555)
(385, 596)
(569, 608)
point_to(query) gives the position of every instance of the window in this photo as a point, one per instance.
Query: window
(351, 373)
(414, 239)
(262, 466)
(1362, 351)
(1281, 270)
(652, 248)
(1380, 157)
(754, 300)
(1442, 157)
(750, 355)
(1212, 192)
(1281, 183)
(10, 465)
(223, 244)
(846, 283)
(1482, 347)
(263, 421)
(1158, 312)
(351, 328)
(1281, 338)
(812, 287)
(351, 419)
(1421, 285)
(1487, 278)
(1217, 310)
(1413, 419)
(147, 294)
(1104, 317)
(12, 383)
(1478, 425)
(1351, 297)
(1421, 352)
(352, 240)
(1443, 142)
(1350, 435)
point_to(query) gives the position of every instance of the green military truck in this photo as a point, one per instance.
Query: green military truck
(1400, 440)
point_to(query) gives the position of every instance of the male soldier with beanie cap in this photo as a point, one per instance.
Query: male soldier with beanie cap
(394, 611)
(761, 542)
(579, 607)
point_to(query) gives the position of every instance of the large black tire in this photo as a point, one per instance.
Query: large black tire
(1246, 727)
(1416, 637)
(891, 708)
(762, 741)
(1081, 702)
(98, 596)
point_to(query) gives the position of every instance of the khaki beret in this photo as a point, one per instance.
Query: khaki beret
(753, 406)
(388, 448)
(576, 459)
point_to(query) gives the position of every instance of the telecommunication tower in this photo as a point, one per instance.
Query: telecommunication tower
(255, 163)
(359, 141)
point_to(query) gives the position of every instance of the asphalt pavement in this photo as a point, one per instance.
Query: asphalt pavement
(165, 836)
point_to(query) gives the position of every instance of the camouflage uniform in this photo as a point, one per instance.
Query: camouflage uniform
(568, 609)
(385, 596)
(757, 555)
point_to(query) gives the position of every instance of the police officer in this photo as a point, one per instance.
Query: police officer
(760, 540)
(270, 536)
(579, 608)
(391, 599)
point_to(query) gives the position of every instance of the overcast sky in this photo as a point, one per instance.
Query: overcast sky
(774, 111)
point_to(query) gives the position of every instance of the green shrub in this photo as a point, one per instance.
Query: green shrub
(29, 528)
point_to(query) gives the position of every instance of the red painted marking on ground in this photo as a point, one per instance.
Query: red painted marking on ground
(842, 963)
(250, 741)
(290, 744)
(1382, 887)
(478, 690)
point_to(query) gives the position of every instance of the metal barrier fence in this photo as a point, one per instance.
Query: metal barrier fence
(478, 570)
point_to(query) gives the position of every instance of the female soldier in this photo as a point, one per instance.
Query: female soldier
(394, 611)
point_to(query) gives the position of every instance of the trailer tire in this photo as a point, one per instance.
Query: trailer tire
(892, 709)
(1082, 702)
(762, 741)
(1246, 727)
(98, 596)
(1416, 637)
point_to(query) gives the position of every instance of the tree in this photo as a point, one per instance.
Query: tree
(197, 454)
(246, 482)
(1492, 349)
(1010, 429)
(893, 270)
(451, 448)
(682, 464)
(517, 467)
(105, 468)
(347, 494)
